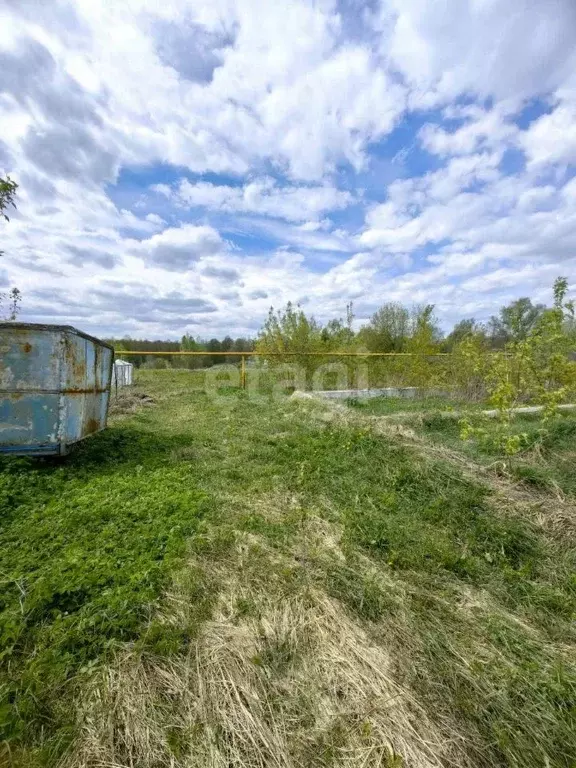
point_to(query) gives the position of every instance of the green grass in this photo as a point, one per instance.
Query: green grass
(546, 459)
(383, 406)
(85, 547)
(547, 455)
(474, 605)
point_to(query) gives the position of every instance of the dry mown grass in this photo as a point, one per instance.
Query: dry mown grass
(128, 401)
(278, 677)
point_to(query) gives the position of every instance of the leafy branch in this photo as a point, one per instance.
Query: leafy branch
(533, 367)
(7, 193)
(13, 297)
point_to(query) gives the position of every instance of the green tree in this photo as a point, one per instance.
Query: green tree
(10, 304)
(190, 344)
(289, 333)
(534, 368)
(462, 330)
(243, 345)
(338, 334)
(388, 330)
(424, 328)
(551, 373)
(227, 344)
(215, 345)
(423, 344)
(514, 322)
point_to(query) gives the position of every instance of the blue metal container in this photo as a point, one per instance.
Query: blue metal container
(54, 387)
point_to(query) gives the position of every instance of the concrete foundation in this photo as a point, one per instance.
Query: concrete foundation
(365, 394)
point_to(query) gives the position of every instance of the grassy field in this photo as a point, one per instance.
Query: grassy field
(235, 581)
(384, 406)
(547, 455)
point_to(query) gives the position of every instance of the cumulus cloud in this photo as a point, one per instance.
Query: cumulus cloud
(60, 120)
(263, 197)
(69, 152)
(224, 274)
(508, 216)
(178, 248)
(486, 48)
(82, 256)
(552, 138)
(191, 49)
(482, 129)
(32, 77)
(148, 306)
(438, 205)
(331, 113)
(258, 295)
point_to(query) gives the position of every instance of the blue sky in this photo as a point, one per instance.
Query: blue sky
(185, 165)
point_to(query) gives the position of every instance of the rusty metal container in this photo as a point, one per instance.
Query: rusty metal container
(54, 387)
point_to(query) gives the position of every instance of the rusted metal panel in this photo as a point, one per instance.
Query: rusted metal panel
(54, 387)
(29, 359)
(29, 419)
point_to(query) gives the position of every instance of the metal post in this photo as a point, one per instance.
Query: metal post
(243, 372)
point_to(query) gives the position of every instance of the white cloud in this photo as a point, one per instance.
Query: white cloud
(178, 248)
(489, 48)
(281, 87)
(301, 237)
(436, 206)
(552, 138)
(506, 212)
(162, 189)
(330, 113)
(263, 197)
(482, 130)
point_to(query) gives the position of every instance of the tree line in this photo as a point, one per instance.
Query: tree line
(398, 328)
(186, 344)
(393, 328)
(526, 352)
